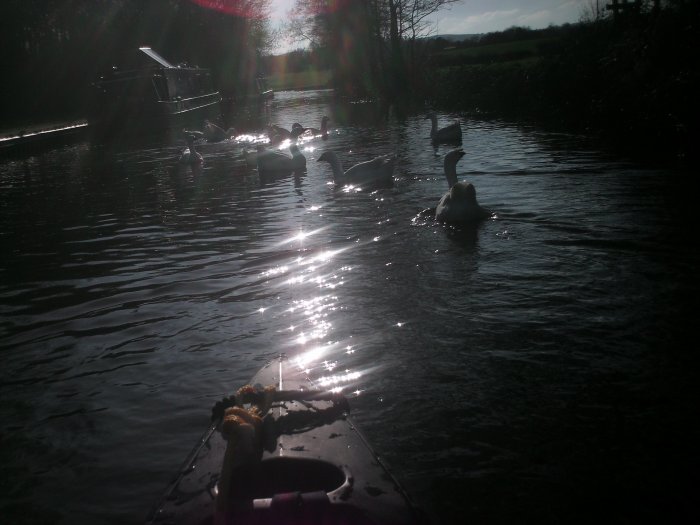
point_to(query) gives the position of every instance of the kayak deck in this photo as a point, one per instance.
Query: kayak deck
(316, 467)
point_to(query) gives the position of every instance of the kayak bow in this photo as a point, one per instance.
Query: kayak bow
(283, 452)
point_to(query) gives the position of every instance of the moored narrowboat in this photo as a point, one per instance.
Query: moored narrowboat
(151, 94)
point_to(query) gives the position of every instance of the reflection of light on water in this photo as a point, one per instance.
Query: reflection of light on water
(313, 306)
(319, 363)
(302, 235)
(339, 381)
(307, 332)
(252, 139)
(319, 330)
(311, 265)
(303, 139)
(272, 272)
(316, 358)
(299, 279)
(304, 359)
(322, 257)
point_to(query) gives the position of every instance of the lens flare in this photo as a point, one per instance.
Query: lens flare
(242, 8)
(259, 8)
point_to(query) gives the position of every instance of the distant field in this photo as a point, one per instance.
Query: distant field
(501, 52)
(309, 79)
(496, 65)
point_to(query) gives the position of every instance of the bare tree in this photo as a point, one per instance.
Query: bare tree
(308, 22)
(384, 25)
(593, 10)
(414, 14)
(400, 19)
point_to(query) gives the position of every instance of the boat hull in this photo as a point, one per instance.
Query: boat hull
(144, 116)
(316, 467)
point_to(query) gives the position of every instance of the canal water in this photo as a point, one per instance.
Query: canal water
(538, 368)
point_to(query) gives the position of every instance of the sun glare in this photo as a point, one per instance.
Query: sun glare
(243, 8)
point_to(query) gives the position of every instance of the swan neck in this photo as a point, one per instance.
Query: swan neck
(451, 174)
(433, 124)
(336, 166)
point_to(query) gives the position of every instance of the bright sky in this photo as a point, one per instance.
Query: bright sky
(486, 16)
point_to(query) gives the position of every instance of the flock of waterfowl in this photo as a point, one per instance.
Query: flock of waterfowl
(458, 205)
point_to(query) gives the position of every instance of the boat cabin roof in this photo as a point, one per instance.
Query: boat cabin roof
(155, 56)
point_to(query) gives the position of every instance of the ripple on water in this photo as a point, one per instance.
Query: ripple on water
(541, 346)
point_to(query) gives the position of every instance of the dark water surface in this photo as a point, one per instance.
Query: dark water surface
(537, 369)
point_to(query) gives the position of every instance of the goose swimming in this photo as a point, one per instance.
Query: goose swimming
(376, 171)
(323, 131)
(277, 134)
(271, 160)
(213, 133)
(450, 133)
(190, 155)
(459, 203)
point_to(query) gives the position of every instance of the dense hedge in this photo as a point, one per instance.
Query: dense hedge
(634, 83)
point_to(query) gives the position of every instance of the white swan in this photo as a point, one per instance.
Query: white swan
(314, 132)
(376, 171)
(459, 204)
(190, 155)
(213, 133)
(277, 134)
(450, 133)
(271, 160)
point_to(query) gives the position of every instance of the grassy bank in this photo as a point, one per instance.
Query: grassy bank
(308, 79)
(500, 52)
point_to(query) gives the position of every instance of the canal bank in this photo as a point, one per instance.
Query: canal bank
(32, 135)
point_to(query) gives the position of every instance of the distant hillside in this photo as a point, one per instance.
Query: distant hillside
(456, 38)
